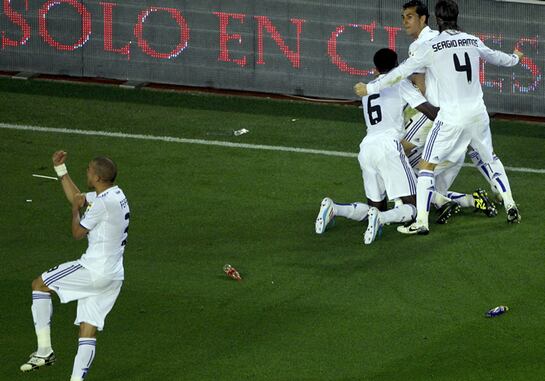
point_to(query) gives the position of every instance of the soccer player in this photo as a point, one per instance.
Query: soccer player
(385, 169)
(415, 22)
(95, 279)
(452, 58)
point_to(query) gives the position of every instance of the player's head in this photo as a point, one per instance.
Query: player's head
(415, 17)
(446, 12)
(385, 60)
(101, 170)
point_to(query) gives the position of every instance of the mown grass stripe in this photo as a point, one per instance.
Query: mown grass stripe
(173, 139)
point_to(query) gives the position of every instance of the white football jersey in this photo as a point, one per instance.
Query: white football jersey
(107, 219)
(383, 112)
(426, 34)
(453, 60)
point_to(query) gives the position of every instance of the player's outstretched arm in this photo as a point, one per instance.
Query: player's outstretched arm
(499, 58)
(70, 189)
(412, 65)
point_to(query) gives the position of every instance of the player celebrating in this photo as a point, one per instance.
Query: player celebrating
(385, 169)
(415, 21)
(452, 58)
(95, 279)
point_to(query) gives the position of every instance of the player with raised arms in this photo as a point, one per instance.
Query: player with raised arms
(95, 279)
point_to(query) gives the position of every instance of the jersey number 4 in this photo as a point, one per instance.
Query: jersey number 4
(373, 109)
(466, 67)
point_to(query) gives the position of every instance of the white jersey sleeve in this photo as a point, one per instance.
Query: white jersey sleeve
(426, 34)
(411, 94)
(421, 59)
(496, 57)
(95, 213)
(90, 197)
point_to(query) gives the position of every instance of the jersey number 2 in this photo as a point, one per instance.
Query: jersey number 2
(373, 109)
(466, 67)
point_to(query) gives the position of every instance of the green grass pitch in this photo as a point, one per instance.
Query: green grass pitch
(310, 307)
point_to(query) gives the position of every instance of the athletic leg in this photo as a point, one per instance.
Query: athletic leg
(42, 310)
(86, 351)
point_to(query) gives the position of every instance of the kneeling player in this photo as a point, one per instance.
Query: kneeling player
(385, 168)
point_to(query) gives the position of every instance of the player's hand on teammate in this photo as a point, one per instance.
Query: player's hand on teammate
(59, 158)
(78, 201)
(360, 89)
(518, 53)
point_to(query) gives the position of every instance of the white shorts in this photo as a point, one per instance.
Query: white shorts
(447, 142)
(417, 129)
(96, 296)
(385, 169)
(446, 173)
(416, 133)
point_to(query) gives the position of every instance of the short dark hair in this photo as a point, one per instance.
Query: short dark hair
(421, 8)
(385, 60)
(446, 12)
(105, 168)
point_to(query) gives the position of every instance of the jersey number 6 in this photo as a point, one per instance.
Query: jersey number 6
(373, 109)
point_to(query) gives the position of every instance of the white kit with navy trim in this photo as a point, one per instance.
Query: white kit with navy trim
(107, 219)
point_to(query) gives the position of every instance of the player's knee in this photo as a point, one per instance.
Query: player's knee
(38, 285)
(427, 166)
(87, 330)
(409, 200)
(380, 205)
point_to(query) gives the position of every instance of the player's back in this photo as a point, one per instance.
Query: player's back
(107, 219)
(383, 112)
(453, 59)
(455, 67)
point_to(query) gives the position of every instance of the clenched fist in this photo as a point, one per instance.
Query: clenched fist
(59, 158)
(360, 89)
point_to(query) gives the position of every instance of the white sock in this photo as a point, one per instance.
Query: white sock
(425, 188)
(494, 173)
(462, 199)
(439, 200)
(501, 182)
(42, 309)
(402, 213)
(356, 211)
(479, 164)
(84, 357)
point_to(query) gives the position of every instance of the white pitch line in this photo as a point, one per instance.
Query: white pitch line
(173, 139)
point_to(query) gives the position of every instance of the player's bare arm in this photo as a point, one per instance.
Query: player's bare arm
(429, 110)
(70, 189)
(78, 231)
